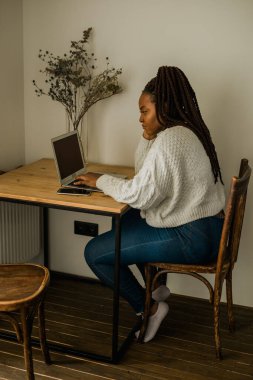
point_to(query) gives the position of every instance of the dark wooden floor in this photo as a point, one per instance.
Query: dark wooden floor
(79, 314)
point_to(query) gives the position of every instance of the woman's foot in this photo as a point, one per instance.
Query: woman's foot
(161, 293)
(155, 321)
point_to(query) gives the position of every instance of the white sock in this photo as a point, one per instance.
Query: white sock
(161, 293)
(155, 321)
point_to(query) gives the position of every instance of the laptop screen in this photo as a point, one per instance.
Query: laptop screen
(68, 154)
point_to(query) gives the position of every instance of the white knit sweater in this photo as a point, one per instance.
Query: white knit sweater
(173, 184)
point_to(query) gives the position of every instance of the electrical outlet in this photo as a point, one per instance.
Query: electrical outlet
(85, 228)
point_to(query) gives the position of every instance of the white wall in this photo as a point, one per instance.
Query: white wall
(211, 40)
(12, 140)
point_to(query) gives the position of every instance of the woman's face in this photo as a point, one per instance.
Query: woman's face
(148, 117)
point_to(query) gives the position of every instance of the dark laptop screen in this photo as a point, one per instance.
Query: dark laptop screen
(68, 155)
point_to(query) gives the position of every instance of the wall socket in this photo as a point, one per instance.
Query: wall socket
(85, 228)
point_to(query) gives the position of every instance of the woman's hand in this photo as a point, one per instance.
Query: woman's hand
(88, 179)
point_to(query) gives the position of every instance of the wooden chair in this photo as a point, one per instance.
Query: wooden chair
(23, 287)
(222, 268)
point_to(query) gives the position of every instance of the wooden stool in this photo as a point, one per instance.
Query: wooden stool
(23, 287)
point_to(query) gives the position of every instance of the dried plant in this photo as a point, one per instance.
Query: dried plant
(73, 81)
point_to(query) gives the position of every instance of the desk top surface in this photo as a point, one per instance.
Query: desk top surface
(38, 182)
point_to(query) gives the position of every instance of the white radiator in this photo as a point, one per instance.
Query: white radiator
(20, 237)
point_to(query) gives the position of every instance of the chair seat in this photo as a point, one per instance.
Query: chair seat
(20, 284)
(181, 268)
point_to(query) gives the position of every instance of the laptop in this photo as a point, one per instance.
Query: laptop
(69, 160)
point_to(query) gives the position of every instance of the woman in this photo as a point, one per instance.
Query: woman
(176, 194)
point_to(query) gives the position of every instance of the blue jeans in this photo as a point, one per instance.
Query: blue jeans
(192, 243)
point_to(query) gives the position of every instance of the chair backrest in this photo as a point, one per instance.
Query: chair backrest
(234, 215)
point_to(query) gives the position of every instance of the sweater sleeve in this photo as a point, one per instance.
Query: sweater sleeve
(149, 186)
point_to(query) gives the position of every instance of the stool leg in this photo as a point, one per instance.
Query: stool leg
(42, 333)
(27, 321)
(14, 323)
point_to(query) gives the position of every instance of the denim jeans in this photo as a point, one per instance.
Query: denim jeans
(192, 243)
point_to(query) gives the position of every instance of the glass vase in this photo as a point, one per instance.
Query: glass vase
(83, 133)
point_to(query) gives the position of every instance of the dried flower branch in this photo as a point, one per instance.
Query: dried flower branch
(73, 82)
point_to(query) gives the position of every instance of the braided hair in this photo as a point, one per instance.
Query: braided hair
(176, 104)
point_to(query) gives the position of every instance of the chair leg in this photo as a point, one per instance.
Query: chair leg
(216, 310)
(27, 322)
(149, 277)
(42, 333)
(231, 320)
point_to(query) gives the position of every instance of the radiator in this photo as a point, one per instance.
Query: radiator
(20, 236)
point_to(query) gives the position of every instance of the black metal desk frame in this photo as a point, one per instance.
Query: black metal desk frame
(116, 351)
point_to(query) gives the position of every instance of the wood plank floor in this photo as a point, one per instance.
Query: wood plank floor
(79, 314)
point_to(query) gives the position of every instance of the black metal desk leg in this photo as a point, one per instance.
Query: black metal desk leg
(115, 329)
(45, 237)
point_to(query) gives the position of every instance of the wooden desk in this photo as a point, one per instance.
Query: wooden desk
(36, 184)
